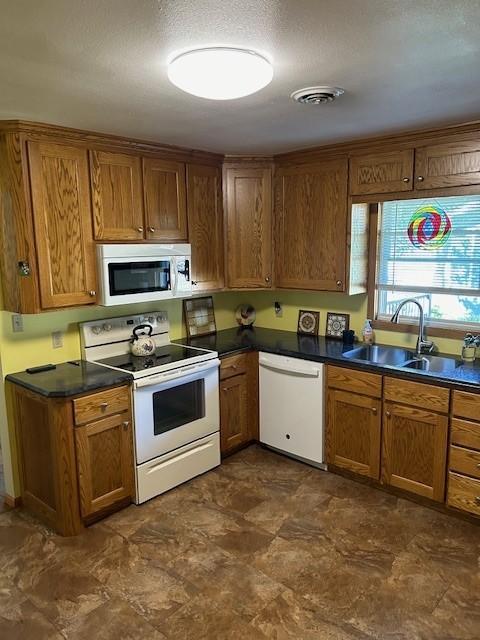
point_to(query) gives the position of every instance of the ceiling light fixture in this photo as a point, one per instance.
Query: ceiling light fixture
(220, 73)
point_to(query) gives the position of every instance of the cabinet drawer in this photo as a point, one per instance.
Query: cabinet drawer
(463, 493)
(466, 434)
(465, 461)
(233, 365)
(417, 394)
(99, 405)
(368, 384)
(466, 405)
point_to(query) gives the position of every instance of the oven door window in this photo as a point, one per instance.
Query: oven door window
(138, 277)
(178, 405)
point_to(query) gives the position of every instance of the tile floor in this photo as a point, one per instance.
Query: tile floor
(262, 547)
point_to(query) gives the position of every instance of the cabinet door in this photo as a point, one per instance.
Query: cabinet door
(353, 432)
(165, 200)
(249, 227)
(451, 164)
(414, 450)
(205, 226)
(63, 224)
(382, 172)
(311, 226)
(105, 463)
(234, 429)
(116, 196)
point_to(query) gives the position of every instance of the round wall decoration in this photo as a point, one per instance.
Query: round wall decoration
(308, 322)
(245, 315)
(429, 227)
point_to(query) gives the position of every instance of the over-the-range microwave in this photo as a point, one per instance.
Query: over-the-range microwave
(143, 272)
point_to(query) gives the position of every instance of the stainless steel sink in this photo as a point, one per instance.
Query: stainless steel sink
(435, 364)
(394, 356)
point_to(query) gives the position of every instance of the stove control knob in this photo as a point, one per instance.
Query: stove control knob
(107, 326)
(96, 329)
(151, 319)
(160, 318)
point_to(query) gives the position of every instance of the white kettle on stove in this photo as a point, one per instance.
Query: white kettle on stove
(141, 342)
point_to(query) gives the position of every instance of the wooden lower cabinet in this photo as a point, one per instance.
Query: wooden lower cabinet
(353, 432)
(105, 463)
(238, 401)
(71, 475)
(414, 452)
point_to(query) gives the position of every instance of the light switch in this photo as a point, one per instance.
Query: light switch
(17, 323)
(57, 339)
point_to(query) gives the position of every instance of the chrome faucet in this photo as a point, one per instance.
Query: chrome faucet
(423, 345)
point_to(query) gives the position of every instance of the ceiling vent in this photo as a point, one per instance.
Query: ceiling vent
(316, 95)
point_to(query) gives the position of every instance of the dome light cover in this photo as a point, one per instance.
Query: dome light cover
(220, 73)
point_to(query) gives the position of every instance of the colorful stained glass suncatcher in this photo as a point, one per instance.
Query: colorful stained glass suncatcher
(429, 227)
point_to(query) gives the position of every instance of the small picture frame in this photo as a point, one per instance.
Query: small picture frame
(199, 316)
(308, 322)
(337, 323)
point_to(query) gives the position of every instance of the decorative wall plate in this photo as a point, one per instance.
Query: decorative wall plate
(245, 315)
(308, 322)
(337, 323)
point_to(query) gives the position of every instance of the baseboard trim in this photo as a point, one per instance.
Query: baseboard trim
(11, 501)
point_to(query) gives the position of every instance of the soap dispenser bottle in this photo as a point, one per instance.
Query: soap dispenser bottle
(367, 332)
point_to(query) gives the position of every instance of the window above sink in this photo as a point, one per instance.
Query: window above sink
(428, 249)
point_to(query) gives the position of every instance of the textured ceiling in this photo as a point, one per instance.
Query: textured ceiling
(101, 65)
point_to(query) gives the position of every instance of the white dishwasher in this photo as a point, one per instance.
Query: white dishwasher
(291, 406)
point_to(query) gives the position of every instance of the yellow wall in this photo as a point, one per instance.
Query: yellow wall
(33, 346)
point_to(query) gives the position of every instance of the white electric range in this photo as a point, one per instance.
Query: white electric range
(175, 400)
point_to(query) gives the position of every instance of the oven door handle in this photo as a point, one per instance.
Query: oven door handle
(148, 381)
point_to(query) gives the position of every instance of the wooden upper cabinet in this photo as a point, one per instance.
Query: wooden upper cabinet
(248, 219)
(63, 224)
(311, 226)
(205, 226)
(451, 164)
(415, 450)
(117, 197)
(165, 200)
(381, 172)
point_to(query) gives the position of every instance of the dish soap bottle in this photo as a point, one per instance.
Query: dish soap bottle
(367, 332)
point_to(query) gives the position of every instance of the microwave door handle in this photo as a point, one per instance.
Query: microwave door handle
(173, 276)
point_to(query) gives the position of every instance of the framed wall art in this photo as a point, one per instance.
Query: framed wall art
(337, 323)
(308, 322)
(199, 316)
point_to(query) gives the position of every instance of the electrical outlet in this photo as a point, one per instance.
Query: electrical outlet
(57, 339)
(278, 310)
(17, 323)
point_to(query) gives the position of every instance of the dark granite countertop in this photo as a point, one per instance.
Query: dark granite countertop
(70, 379)
(321, 349)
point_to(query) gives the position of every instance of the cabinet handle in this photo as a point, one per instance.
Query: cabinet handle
(388, 414)
(406, 179)
(194, 283)
(224, 388)
(478, 466)
(339, 283)
(477, 500)
(420, 178)
(140, 229)
(374, 411)
(267, 278)
(92, 293)
(151, 229)
(235, 366)
(125, 425)
(103, 405)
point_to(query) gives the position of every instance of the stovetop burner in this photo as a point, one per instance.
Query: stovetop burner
(163, 355)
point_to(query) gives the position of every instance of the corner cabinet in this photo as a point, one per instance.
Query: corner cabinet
(311, 226)
(205, 226)
(63, 225)
(75, 455)
(248, 222)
